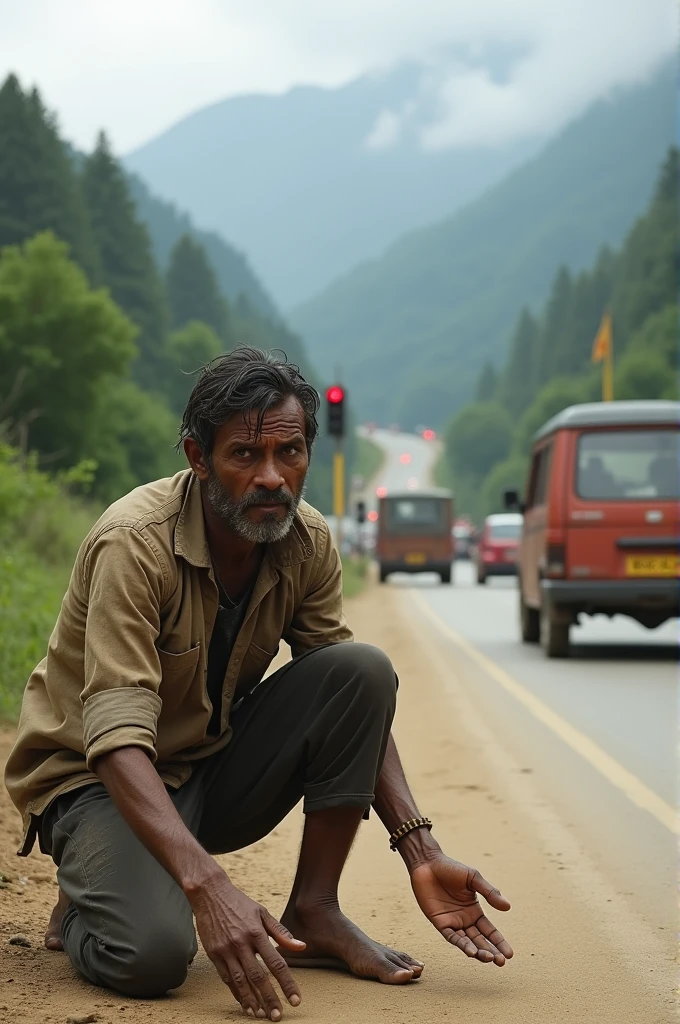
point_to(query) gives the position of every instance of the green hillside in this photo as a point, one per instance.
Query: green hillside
(487, 443)
(413, 328)
(167, 224)
(97, 343)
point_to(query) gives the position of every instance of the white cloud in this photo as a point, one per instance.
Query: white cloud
(388, 128)
(576, 61)
(386, 131)
(136, 66)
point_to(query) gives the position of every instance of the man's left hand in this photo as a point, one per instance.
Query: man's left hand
(447, 894)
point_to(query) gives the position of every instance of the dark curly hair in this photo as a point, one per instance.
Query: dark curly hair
(244, 380)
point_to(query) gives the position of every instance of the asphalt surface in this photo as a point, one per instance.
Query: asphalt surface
(618, 690)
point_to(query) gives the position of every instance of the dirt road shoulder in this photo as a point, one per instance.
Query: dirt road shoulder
(565, 968)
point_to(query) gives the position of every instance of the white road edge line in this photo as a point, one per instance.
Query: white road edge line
(627, 783)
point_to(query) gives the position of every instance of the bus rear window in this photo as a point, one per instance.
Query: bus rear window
(416, 515)
(629, 465)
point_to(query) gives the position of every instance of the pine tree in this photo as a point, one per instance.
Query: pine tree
(518, 382)
(193, 290)
(590, 297)
(554, 325)
(647, 274)
(39, 189)
(128, 268)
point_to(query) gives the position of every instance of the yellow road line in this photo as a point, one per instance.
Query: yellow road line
(627, 783)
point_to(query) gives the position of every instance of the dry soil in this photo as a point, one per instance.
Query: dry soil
(569, 966)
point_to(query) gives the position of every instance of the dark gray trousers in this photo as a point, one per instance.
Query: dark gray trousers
(317, 729)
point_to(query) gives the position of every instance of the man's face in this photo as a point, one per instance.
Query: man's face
(255, 484)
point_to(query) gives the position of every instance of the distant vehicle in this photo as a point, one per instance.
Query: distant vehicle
(464, 538)
(414, 533)
(600, 533)
(498, 546)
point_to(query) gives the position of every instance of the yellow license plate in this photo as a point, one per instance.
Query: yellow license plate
(415, 558)
(653, 565)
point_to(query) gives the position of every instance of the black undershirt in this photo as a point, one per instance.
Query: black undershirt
(228, 622)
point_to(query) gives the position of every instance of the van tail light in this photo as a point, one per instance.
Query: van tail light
(556, 561)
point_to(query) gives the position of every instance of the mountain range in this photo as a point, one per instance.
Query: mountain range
(412, 328)
(314, 181)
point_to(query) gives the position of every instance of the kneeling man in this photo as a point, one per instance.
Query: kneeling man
(149, 739)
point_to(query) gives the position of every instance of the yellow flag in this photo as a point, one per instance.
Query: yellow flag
(602, 346)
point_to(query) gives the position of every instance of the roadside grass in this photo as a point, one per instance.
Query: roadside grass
(354, 575)
(41, 527)
(369, 458)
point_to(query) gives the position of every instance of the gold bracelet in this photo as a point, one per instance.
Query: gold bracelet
(407, 827)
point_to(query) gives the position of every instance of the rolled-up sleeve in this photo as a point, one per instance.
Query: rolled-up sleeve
(124, 582)
(320, 619)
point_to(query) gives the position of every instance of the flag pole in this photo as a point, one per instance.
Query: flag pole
(603, 352)
(608, 372)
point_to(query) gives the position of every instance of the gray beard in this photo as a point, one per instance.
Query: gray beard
(233, 513)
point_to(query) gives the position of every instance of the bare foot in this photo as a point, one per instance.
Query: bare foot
(53, 931)
(334, 941)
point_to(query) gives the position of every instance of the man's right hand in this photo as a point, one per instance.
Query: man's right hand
(234, 929)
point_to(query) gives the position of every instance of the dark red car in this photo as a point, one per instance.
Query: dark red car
(499, 546)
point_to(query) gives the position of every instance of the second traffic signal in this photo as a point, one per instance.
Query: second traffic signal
(335, 406)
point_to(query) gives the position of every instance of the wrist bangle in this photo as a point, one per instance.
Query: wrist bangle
(407, 827)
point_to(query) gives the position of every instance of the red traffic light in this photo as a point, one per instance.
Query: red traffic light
(335, 394)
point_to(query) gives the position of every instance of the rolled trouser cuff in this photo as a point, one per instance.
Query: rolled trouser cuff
(322, 802)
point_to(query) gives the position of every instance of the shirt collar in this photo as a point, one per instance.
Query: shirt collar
(191, 542)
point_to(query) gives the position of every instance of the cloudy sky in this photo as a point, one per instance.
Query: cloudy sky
(134, 67)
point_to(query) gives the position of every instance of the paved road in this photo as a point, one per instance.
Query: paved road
(397, 475)
(618, 690)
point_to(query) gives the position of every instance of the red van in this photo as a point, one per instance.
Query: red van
(600, 532)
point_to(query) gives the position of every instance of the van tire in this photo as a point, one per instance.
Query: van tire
(445, 575)
(554, 632)
(383, 574)
(530, 622)
(481, 577)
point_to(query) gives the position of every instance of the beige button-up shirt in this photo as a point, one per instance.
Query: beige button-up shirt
(127, 660)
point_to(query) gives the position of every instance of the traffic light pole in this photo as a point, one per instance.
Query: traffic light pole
(335, 410)
(339, 490)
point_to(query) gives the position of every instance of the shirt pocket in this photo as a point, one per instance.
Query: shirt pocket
(178, 664)
(256, 661)
(181, 686)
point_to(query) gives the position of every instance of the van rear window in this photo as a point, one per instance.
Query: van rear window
(506, 531)
(416, 515)
(628, 464)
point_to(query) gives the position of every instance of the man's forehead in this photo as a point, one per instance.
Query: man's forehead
(284, 418)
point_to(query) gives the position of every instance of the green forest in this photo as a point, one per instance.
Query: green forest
(548, 367)
(99, 343)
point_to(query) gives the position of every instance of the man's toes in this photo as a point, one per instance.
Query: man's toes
(392, 972)
(54, 943)
(411, 961)
(403, 960)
